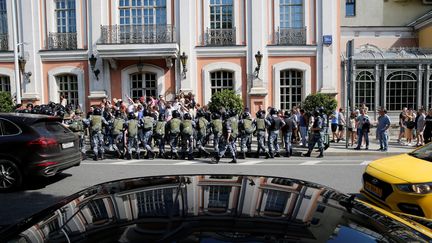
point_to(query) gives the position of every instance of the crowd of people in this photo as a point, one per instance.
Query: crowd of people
(127, 127)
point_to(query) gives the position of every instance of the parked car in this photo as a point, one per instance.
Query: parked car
(402, 183)
(34, 145)
(213, 208)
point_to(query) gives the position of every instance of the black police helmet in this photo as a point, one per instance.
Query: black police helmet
(287, 114)
(161, 117)
(187, 116)
(176, 114)
(216, 115)
(273, 111)
(97, 111)
(246, 115)
(117, 113)
(131, 115)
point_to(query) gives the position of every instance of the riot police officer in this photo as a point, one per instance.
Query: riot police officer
(117, 133)
(131, 126)
(216, 127)
(173, 126)
(287, 131)
(234, 129)
(96, 123)
(77, 126)
(316, 131)
(159, 135)
(148, 124)
(261, 125)
(186, 131)
(202, 126)
(246, 129)
(226, 140)
(275, 125)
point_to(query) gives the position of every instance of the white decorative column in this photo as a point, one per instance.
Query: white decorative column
(186, 28)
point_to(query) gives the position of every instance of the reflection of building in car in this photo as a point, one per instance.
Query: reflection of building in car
(221, 207)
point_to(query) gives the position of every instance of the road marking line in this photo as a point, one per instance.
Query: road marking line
(251, 163)
(125, 162)
(186, 163)
(311, 162)
(366, 162)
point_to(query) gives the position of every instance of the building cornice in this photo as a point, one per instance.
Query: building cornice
(221, 51)
(276, 50)
(69, 55)
(6, 56)
(137, 50)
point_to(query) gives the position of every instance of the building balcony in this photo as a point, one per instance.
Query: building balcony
(137, 34)
(125, 41)
(220, 37)
(291, 36)
(4, 39)
(62, 41)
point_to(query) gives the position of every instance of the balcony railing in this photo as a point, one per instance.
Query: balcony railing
(62, 41)
(220, 37)
(4, 46)
(137, 34)
(291, 36)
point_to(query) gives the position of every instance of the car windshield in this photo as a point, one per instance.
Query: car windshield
(50, 128)
(424, 152)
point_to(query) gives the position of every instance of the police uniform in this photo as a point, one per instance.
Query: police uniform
(97, 138)
(234, 130)
(202, 125)
(246, 127)
(77, 127)
(148, 124)
(261, 125)
(226, 141)
(217, 127)
(159, 136)
(275, 125)
(132, 136)
(117, 135)
(287, 132)
(173, 126)
(186, 131)
(317, 128)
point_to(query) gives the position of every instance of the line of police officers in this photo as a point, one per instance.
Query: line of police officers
(226, 128)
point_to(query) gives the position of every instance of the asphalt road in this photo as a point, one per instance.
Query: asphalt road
(341, 173)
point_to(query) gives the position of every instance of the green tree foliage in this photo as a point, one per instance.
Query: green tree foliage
(313, 101)
(6, 104)
(226, 99)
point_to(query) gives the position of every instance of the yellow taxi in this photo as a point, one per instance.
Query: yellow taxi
(402, 183)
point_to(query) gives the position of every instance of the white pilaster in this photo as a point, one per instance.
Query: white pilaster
(330, 52)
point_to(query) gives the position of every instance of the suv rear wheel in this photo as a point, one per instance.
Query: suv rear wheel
(10, 175)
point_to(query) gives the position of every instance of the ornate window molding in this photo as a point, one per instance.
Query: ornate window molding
(11, 74)
(147, 68)
(54, 88)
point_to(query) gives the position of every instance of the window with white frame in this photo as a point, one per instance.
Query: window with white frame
(221, 80)
(3, 17)
(350, 8)
(365, 89)
(291, 14)
(275, 201)
(5, 84)
(291, 85)
(66, 16)
(68, 88)
(219, 197)
(143, 84)
(142, 12)
(401, 90)
(158, 202)
(221, 14)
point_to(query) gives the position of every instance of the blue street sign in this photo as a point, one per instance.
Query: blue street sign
(327, 39)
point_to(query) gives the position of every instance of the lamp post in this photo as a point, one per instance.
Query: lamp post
(93, 61)
(183, 60)
(258, 58)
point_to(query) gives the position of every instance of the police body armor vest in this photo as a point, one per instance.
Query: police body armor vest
(234, 126)
(96, 123)
(260, 124)
(275, 124)
(247, 125)
(160, 128)
(217, 125)
(316, 123)
(175, 125)
(132, 128)
(77, 125)
(148, 123)
(187, 127)
(202, 125)
(117, 126)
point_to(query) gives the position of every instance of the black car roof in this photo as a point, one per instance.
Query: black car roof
(28, 119)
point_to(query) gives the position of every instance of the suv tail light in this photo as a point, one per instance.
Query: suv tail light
(44, 142)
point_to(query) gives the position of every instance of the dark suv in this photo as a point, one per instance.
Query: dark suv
(34, 145)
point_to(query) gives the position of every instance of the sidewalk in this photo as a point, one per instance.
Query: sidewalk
(339, 149)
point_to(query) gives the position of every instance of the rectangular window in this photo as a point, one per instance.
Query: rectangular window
(147, 12)
(276, 201)
(219, 197)
(3, 17)
(221, 80)
(158, 202)
(291, 14)
(291, 82)
(66, 16)
(4, 84)
(68, 88)
(221, 14)
(350, 8)
(143, 84)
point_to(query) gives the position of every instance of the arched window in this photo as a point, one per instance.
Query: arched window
(365, 89)
(143, 84)
(5, 84)
(221, 80)
(401, 90)
(68, 88)
(291, 82)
